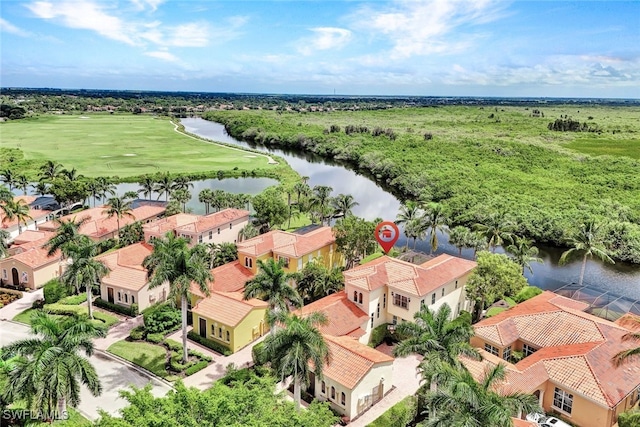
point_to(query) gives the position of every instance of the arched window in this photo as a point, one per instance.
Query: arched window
(333, 392)
(133, 299)
(343, 398)
(324, 387)
(126, 298)
(355, 296)
(228, 335)
(360, 298)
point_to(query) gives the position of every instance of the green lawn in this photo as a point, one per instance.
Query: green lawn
(100, 319)
(149, 356)
(120, 145)
(602, 145)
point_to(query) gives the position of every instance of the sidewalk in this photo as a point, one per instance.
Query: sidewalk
(119, 332)
(8, 312)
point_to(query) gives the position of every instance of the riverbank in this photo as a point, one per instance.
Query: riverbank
(479, 161)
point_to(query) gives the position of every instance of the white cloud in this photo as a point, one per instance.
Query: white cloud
(83, 15)
(324, 38)
(8, 27)
(163, 55)
(195, 34)
(152, 4)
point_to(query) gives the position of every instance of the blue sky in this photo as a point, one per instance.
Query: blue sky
(432, 47)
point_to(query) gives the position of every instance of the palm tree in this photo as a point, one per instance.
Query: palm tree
(22, 183)
(173, 261)
(459, 237)
(50, 170)
(84, 270)
(477, 241)
(316, 281)
(301, 189)
(524, 253)
(249, 231)
(320, 201)
(8, 176)
(497, 229)
(4, 243)
(147, 186)
(589, 242)
(416, 229)
(632, 354)
(16, 209)
(182, 196)
(49, 368)
(40, 188)
(433, 332)
(164, 185)
(205, 197)
(93, 188)
(218, 199)
(120, 208)
(343, 205)
(296, 348)
(67, 234)
(105, 187)
(182, 183)
(71, 174)
(273, 285)
(436, 220)
(409, 212)
(459, 400)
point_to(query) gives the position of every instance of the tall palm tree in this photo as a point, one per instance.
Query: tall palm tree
(50, 170)
(22, 183)
(589, 242)
(105, 187)
(296, 347)
(182, 183)
(93, 188)
(301, 189)
(343, 205)
(416, 229)
(632, 354)
(459, 237)
(67, 234)
(40, 188)
(436, 219)
(273, 284)
(182, 196)
(147, 186)
(49, 368)
(164, 185)
(249, 231)
(120, 208)
(524, 253)
(218, 199)
(16, 209)
(173, 261)
(8, 176)
(320, 201)
(459, 400)
(478, 242)
(205, 197)
(433, 332)
(84, 270)
(410, 212)
(498, 229)
(71, 174)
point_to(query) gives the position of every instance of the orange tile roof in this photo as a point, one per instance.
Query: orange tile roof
(288, 244)
(345, 317)
(35, 214)
(29, 236)
(517, 422)
(229, 277)
(125, 266)
(350, 361)
(35, 257)
(164, 225)
(575, 349)
(214, 220)
(227, 308)
(409, 278)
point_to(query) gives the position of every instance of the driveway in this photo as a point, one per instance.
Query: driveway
(114, 374)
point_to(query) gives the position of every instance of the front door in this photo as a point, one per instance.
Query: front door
(203, 327)
(110, 295)
(16, 279)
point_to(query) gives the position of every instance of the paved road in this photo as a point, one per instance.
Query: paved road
(114, 375)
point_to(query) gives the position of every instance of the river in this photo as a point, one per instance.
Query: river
(621, 279)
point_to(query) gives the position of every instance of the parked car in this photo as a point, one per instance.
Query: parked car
(544, 421)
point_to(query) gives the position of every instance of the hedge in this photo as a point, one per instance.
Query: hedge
(155, 338)
(258, 355)
(629, 419)
(163, 320)
(378, 334)
(73, 299)
(53, 291)
(199, 355)
(219, 348)
(195, 368)
(399, 415)
(137, 333)
(173, 345)
(127, 311)
(526, 293)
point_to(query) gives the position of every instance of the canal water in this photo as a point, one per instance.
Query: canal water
(621, 279)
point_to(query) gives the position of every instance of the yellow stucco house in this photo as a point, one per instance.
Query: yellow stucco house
(566, 359)
(28, 264)
(224, 316)
(296, 249)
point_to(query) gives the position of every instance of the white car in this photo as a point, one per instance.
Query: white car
(544, 421)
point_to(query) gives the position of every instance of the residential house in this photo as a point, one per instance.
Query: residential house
(296, 248)
(36, 213)
(218, 227)
(28, 264)
(343, 315)
(566, 359)
(127, 282)
(100, 227)
(224, 316)
(390, 290)
(356, 377)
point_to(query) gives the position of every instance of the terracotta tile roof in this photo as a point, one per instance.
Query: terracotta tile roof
(35, 257)
(350, 361)
(229, 277)
(517, 422)
(345, 317)
(35, 214)
(126, 266)
(164, 225)
(227, 308)
(99, 225)
(408, 278)
(214, 220)
(575, 349)
(288, 244)
(29, 236)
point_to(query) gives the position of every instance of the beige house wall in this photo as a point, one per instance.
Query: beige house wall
(141, 297)
(36, 278)
(584, 413)
(225, 233)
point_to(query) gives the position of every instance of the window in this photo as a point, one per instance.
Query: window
(333, 392)
(228, 336)
(491, 349)
(421, 303)
(133, 299)
(355, 296)
(442, 292)
(401, 301)
(218, 230)
(213, 330)
(219, 332)
(248, 262)
(395, 320)
(384, 300)
(506, 353)
(528, 350)
(372, 320)
(563, 400)
(456, 284)
(4, 273)
(433, 298)
(378, 311)
(119, 296)
(200, 238)
(343, 398)
(458, 310)
(126, 298)
(210, 234)
(310, 257)
(323, 388)
(230, 226)
(360, 298)
(299, 263)
(285, 260)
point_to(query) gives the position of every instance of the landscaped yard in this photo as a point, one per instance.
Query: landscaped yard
(100, 318)
(149, 356)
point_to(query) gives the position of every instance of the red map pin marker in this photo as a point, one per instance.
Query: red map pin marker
(387, 234)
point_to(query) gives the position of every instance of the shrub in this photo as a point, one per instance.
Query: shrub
(108, 319)
(399, 415)
(54, 291)
(154, 338)
(163, 320)
(199, 355)
(258, 355)
(378, 334)
(37, 304)
(629, 419)
(526, 293)
(219, 348)
(127, 311)
(137, 333)
(73, 300)
(173, 345)
(195, 368)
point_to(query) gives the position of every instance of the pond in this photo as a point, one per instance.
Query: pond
(376, 202)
